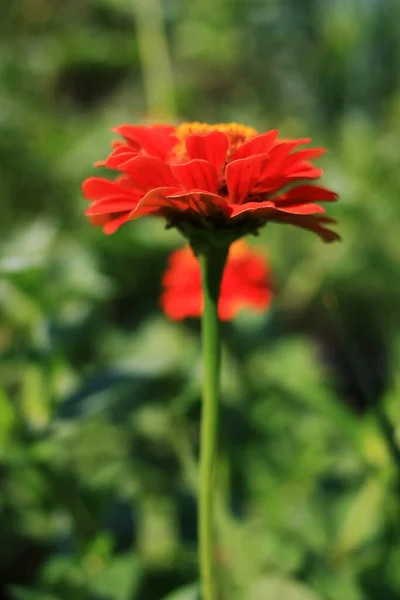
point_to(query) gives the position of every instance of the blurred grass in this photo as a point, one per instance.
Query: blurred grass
(99, 394)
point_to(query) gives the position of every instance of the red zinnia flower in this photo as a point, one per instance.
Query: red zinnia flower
(245, 284)
(220, 179)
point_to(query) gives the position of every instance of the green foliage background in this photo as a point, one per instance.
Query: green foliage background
(99, 393)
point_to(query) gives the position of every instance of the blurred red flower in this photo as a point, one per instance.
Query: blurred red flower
(223, 179)
(246, 283)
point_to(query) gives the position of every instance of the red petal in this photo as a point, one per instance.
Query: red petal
(302, 209)
(119, 156)
(268, 208)
(281, 151)
(211, 147)
(99, 188)
(114, 224)
(291, 144)
(276, 171)
(181, 306)
(311, 223)
(202, 203)
(304, 193)
(196, 174)
(115, 205)
(243, 175)
(259, 144)
(302, 155)
(252, 207)
(148, 172)
(155, 140)
(99, 220)
(127, 131)
(245, 284)
(127, 183)
(306, 174)
(303, 168)
(304, 221)
(167, 200)
(156, 200)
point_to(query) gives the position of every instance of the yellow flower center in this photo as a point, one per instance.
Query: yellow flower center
(236, 133)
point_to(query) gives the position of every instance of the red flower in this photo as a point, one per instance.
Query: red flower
(245, 283)
(222, 179)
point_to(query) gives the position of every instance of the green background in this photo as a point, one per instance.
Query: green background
(99, 392)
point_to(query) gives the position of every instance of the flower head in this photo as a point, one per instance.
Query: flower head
(220, 181)
(245, 284)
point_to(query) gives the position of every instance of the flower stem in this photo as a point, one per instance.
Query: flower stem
(212, 268)
(155, 59)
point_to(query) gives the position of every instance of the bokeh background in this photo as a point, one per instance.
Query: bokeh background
(99, 392)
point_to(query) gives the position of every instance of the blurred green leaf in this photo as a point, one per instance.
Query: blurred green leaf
(273, 588)
(35, 405)
(117, 580)
(7, 419)
(29, 248)
(362, 519)
(20, 593)
(190, 592)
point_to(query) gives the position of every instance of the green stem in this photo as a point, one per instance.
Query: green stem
(155, 58)
(212, 267)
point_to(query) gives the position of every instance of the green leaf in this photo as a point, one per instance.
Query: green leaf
(29, 248)
(7, 419)
(362, 518)
(274, 587)
(19, 593)
(35, 403)
(119, 579)
(190, 592)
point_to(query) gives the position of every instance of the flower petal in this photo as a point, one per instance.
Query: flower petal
(155, 140)
(211, 147)
(312, 223)
(148, 172)
(99, 220)
(304, 221)
(305, 193)
(196, 174)
(283, 168)
(307, 208)
(279, 153)
(267, 208)
(155, 201)
(181, 306)
(259, 144)
(303, 170)
(111, 226)
(99, 188)
(302, 155)
(202, 203)
(246, 283)
(261, 208)
(172, 200)
(119, 156)
(242, 176)
(113, 205)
